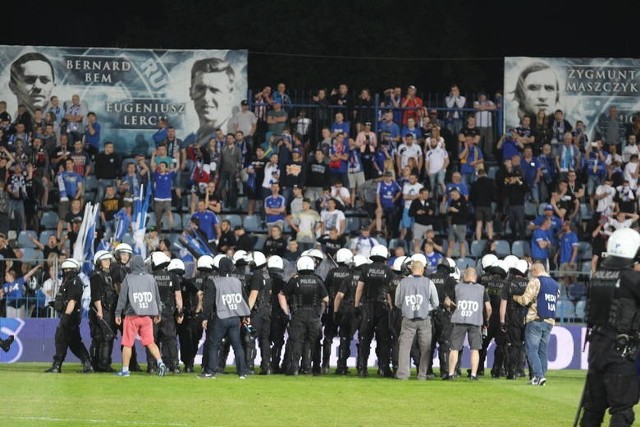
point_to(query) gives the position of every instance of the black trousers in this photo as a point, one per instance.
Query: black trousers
(164, 335)
(102, 336)
(189, 334)
(261, 321)
(330, 330)
(348, 325)
(396, 325)
(611, 383)
(515, 348)
(375, 320)
(493, 333)
(441, 338)
(68, 337)
(305, 327)
(278, 328)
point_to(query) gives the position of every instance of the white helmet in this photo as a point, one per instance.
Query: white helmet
(305, 263)
(275, 262)
(624, 243)
(259, 259)
(241, 257)
(456, 274)
(419, 258)
(511, 261)
(502, 266)
(489, 260)
(449, 264)
(123, 247)
(176, 265)
(379, 251)
(522, 266)
(359, 260)
(316, 254)
(215, 261)
(70, 264)
(344, 256)
(100, 255)
(205, 263)
(398, 263)
(159, 260)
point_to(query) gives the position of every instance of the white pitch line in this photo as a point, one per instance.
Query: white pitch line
(90, 421)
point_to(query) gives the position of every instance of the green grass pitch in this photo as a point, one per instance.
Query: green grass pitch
(32, 398)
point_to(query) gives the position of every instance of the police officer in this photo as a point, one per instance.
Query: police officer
(102, 320)
(68, 304)
(612, 314)
(176, 269)
(119, 270)
(441, 317)
(398, 273)
(372, 297)
(512, 317)
(260, 305)
(335, 276)
(347, 317)
(493, 280)
(304, 298)
(171, 298)
(279, 320)
(206, 270)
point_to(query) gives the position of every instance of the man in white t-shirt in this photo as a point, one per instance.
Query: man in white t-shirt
(271, 175)
(244, 121)
(436, 163)
(333, 218)
(631, 148)
(363, 244)
(305, 223)
(409, 149)
(341, 194)
(604, 196)
(410, 192)
(622, 220)
(631, 171)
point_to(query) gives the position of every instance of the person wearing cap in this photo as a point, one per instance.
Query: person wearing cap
(416, 297)
(388, 194)
(409, 104)
(102, 320)
(244, 121)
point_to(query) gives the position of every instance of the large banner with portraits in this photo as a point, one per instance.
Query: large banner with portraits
(583, 88)
(129, 89)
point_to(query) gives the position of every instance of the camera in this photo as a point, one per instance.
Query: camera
(251, 331)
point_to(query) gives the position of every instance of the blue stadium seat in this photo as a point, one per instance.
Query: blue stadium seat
(564, 310)
(127, 238)
(30, 255)
(584, 251)
(44, 236)
(521, 248)
(477, 248)
(394, 243)
(585, 212)
(186, 219)
(90, 183)
(382, 241)
(260, 239)
(463, 263)
(49, 220)
(253, 224)
(353, 225)
(580, 309)
(491, 173)
(24, 239)
(177, 221)
(530, 210)
(502, 248)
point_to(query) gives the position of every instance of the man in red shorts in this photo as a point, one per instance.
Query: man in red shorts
(140, 300)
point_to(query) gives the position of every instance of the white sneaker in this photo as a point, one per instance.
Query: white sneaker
(542, 381)
(534, 381)
(242, 377)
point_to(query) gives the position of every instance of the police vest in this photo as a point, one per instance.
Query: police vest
(277, 284)
(166, 289)
(349, 289)
(610, 301)
(393, 284)
(229, 298)
(445, 284)
(469, 303)
(333, 280)
(493, 283)
(601, 296)
(305, 292)
(547, 297)
(376, 278)
(264, 291)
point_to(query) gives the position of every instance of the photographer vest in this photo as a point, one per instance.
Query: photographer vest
(469, 304)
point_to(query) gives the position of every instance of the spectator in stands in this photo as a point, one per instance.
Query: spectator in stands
(275, 243)
(433, 257)
(515, 190)
(531, 174)
(295, 205)
(208, 221)
(227, 239)
(14, 293)
(484, 119)
(389, 131)
(280, 96)
(4, 209)
(76, 213)
(305, 224)
(294, 175)
(410, 103)
(559, 126)
(17, 188)
(363, 110)
(366, 142)
(341, 195)
(92, 134)
(631, 171)
(131, 183)
(567, 255)
(74, 116)
(163, 186)
(330, 244)
(338, 159)
(610, 129)
(161, 134)
(333, 218)
(61, 153)
(454, 103)
(422, 211)
(625, 199)
(482, 193)
(549, 177)
(383, 161)
(275, 207)
(340, 126)
(53, 246)
(246, 122)
(293, 252)
(510, 144)
(393, 100)
(555, 222)
(243, 240)
(355, 171)
(526, 135)
(362, 244)
(458, 212)
(341, 98)
(230, 166)
(604, 196)
(109, 206)
(39, 159)
(211, 90)
(622, 220)
(630, 149)
(541, 243)
(81, 159)
(271, 175)
(317, 176)
(107, 169)
(409, 149)
(436, 164)
(20, 134)
(387, 197)
(277, 119)
(470, 158)
(565, 204)
(410, 192)
(70, 187)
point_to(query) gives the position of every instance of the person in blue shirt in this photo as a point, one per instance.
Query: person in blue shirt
(470, 158)
(411, 128)
(555, 223)
(208, 221)
(70, 187)
(541, 243)
(340, 126)
(275, 207)
(92, 134)
(567, 255)
(387, 196)
(596, 165)
(456, 182)
(510, 145)
(433, 258)
(162, 186)
(531, 173)
(388, 130)
(13, 293)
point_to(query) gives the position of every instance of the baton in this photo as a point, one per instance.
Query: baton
(584, 391)
(106, 325)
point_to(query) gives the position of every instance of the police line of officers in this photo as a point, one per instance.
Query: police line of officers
(358, 295)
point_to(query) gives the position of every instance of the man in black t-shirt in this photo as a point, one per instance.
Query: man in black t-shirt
(458, 212)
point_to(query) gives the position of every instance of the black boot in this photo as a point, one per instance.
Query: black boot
(86, 367)
(6, 344)
(56, 368)
(105, 357)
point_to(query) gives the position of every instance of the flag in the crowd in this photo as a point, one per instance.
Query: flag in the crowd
(140, 208)
(83, 247)
(123, 223)
(289, 270)
(325, 266)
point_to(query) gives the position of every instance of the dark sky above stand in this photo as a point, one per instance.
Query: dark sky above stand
(372, 43)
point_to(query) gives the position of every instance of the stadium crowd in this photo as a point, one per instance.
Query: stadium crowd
(340, 172)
